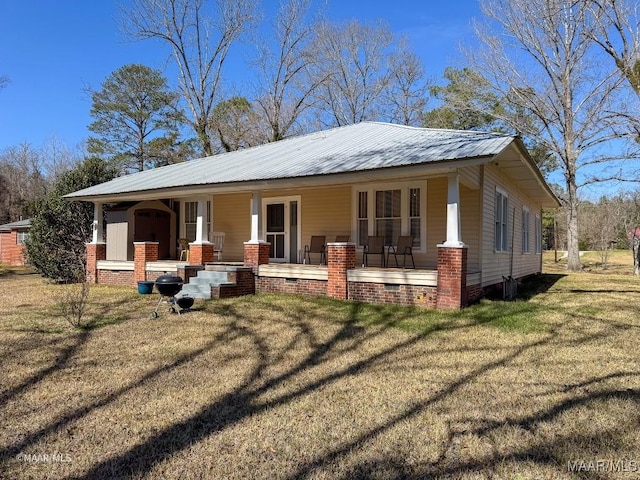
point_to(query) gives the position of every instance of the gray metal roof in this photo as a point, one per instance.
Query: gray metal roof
(7, 227)
(353, 148)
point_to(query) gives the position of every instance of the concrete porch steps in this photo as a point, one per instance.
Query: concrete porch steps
(201, 285)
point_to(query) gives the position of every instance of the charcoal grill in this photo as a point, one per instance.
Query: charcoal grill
(168, 286)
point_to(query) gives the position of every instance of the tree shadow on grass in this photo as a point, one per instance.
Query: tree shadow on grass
(248, 398)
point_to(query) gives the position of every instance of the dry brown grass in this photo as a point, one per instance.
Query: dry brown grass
(284, 387)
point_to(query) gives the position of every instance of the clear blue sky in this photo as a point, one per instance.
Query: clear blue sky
(52, 49)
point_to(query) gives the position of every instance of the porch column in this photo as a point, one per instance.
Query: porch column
(256, 217)
(98, 233)
(97, 249)
(144, 252)
(341, 257)
(95, 253)
(454, 236)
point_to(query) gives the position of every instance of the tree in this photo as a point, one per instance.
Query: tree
(236, 124)
(467, 102)
(133, 108)
(200, 43)
(23, 172)
(60, 228)
(287, 64)
(538, 56)
(407, 90)
(352, 59)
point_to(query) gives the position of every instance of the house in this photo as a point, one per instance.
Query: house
(12, 238)
(471, 201)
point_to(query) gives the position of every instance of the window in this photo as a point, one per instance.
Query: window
(191, 219)
(525, 230)
(414, 217)
(502, 214)
(22, 237)
(363, 221)
(388, 216)
(390, 211)
(538, 228)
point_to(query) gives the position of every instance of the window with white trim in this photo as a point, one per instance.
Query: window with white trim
(388, 215)
(501, 222)
(395, 209)
(525, 230)
(538, 229)
(21, 238)
(191, 219)
(363, 218)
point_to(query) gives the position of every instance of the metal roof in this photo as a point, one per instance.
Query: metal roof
(353, 148)
(7, 227)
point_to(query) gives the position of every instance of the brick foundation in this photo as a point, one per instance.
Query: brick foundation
(341, 257)
(144, 252)
(297, 286)
(200, 253)
(474, 293)
(95, 253)
(452, 278)
(415, 295)
(116, 277)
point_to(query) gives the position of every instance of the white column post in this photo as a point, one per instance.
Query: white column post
(454, 236)
(97, 223)
(256, 217)
(201, 222)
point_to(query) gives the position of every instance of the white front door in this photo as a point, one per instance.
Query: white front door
(281, 219)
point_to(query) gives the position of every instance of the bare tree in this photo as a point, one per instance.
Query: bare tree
(23, 172)
(539, 56)
(407, 90)
(58, 158)
(236, 125)
(200, 41)
(354, 57)
(286, 64)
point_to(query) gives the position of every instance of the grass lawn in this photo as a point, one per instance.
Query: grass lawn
(287, 387)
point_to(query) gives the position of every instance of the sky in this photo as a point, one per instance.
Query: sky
(53, 50)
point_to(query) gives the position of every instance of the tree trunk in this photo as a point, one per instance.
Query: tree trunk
(573, 248)
(203, 136)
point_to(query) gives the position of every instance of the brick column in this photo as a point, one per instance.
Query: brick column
(200, 253)
(341, 257)
(452, 278)
(144, 252)
(95, 252)
(256, 254)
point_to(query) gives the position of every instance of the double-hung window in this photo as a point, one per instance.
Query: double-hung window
(22, 238)
(501, 222)
(390, 211)
(388, 215)
(525, 230)
(191, 219)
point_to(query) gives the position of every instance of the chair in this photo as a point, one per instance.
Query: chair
(184, 249)
(403, 247)
(217, 238)
(374, 246)
(342, 238)
(317, 246)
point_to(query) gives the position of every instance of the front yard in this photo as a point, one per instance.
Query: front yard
(287, 387)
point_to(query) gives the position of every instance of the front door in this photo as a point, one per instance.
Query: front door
(281, 218)
(276, 231)
(152, 225)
